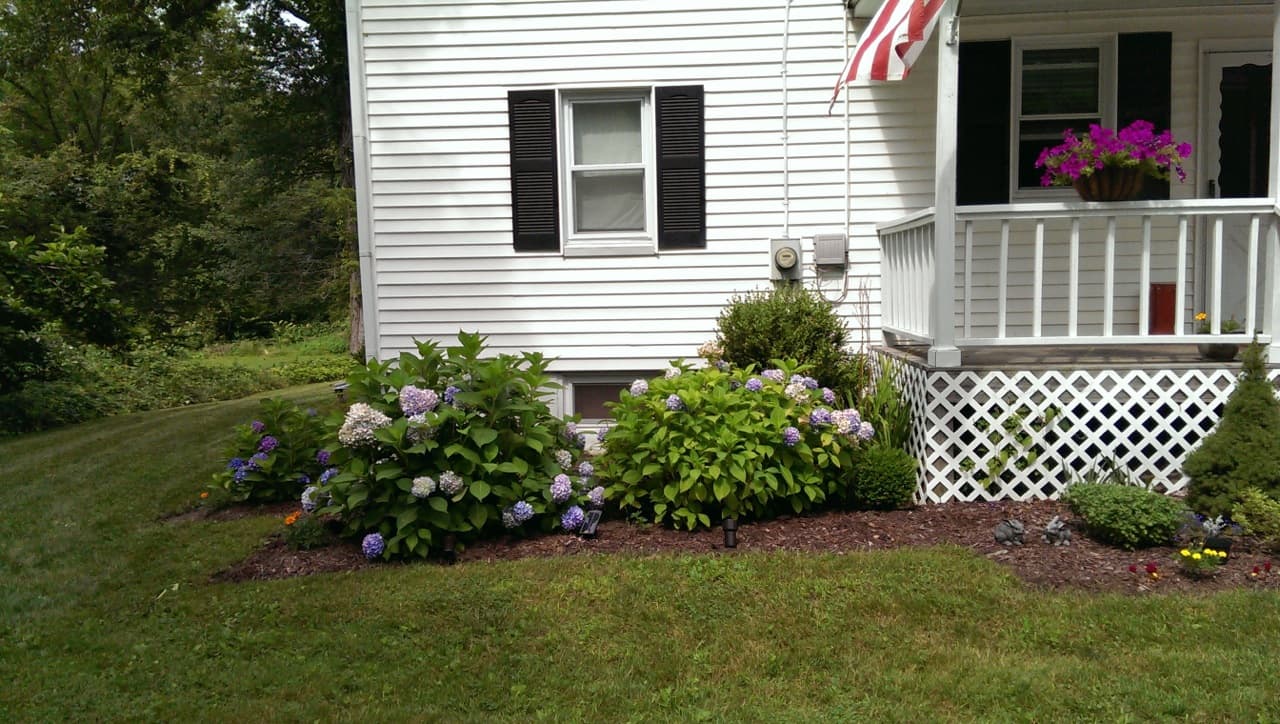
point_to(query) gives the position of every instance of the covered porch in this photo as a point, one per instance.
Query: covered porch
(1038, 337)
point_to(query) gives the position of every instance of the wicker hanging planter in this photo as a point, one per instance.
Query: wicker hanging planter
(1111, 183)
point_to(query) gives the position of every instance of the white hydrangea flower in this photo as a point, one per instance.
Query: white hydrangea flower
(359, 425)
(423, 486)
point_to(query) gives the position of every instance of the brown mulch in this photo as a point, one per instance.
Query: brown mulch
(1082, 565)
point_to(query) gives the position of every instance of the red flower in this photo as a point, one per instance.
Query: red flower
(1133, 569)
(1256, 570)
(1267, 566)
(1152, 567)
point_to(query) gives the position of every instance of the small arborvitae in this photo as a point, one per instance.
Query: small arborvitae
(1243, 451)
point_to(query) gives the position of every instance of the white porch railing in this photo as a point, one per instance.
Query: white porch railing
(1081, 273)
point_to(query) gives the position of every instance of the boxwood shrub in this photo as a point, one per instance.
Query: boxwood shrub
(696, 446)
(1126, 516)
(884, 478)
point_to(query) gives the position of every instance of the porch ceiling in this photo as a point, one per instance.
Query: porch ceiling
(975, 8)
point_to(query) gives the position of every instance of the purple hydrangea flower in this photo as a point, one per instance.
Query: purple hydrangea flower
(570, 430)
(509, 519)
(373, 545)
(304, 479)
(241, 474)
(674, 403)
(268, 443)
(580, 441)
(235, 463)
(809, 383)
(310, 498)
(755, 384)
(586, 469)
(450, 483)
(828, 395)
(522, 511)
(790, 436)
(572, 518)
(604, 430)
(639, 387)
(561, 488)
(257, 426)
(774, 374)
(866, 431)
(416, 401)
(327, 475)
(252, 462)
(820, 416)
(451, 394)
(595, 497)
(722, 365)
(322, 457)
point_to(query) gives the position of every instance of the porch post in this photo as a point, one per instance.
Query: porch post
(1271, 287)
(943, 352)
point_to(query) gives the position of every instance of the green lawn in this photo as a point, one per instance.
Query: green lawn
(106, 613)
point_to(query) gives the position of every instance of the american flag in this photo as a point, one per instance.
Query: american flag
(892, 42)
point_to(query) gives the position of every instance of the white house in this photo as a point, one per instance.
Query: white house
(594, 179)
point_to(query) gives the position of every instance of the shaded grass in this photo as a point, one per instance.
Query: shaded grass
(107, 613)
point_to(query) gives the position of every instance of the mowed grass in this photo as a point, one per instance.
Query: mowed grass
(107, 613)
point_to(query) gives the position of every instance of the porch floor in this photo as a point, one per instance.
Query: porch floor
(1043, 357)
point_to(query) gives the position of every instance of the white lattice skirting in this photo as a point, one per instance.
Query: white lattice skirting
(983, 434)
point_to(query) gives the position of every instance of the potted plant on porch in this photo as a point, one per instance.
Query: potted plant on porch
(1217, 351)
(1110, 165)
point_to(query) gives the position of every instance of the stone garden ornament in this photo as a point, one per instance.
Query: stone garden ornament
(1010, 532)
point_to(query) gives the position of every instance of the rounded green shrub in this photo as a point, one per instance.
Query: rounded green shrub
(1259, 515)
(454, 444)
(1126, 516)
(274, 457)
(696, 446)
(791, 322)
(1243, 451)
(884, 478)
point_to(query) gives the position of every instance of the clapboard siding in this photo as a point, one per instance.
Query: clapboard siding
(435, 77)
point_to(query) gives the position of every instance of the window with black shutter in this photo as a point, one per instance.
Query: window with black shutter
(608, 171)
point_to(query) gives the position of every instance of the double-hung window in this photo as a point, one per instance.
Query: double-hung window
(609, 171)
(1057, 85)
(616, 171)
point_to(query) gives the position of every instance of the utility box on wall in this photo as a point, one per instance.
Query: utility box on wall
(784, 260)
(831, 251)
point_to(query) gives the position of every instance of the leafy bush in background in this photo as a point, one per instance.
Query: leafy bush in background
(791, 322)
(883, 406)
(884, 477)
(453, 444)
(696, 446)
(1126, 516)
(1259, 515)
(274, 457)
(1243, 451)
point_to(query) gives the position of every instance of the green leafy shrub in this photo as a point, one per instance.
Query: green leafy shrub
(276, 456)
(1243, 451)
(304, 531)
(700, 445)
(454, 444)
(1126, 516)
(1259, 515)
(321, 369)
(884, 477)
(791, 322)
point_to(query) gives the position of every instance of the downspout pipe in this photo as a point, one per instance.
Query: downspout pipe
(363, 183)
(786, 143)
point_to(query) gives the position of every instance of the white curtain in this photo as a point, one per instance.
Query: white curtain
(608, 133)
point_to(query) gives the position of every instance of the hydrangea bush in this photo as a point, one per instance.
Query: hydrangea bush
(696, 446)
(274, 456)
(450, 442)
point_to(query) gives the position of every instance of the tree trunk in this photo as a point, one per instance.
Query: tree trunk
(355, 340)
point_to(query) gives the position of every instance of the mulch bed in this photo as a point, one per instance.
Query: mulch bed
(1082, 565)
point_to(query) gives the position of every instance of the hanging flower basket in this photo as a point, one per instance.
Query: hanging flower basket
(1111, 183)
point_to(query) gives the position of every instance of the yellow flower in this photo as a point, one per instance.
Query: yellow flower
(1210, 552)
(1185, 552)
(1195, 556)
(1201, 316)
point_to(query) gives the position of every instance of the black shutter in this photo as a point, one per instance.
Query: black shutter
(535, 201)
(982, 126)
(1144, 77)
(682, 212)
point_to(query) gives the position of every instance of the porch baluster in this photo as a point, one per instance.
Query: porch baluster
(1073, 292)
(1215, 282)
(1002, 311)
(1037, 300)
(1144, 281)
(1251, 287)
(1180, 285)
(1109, 280)
(968, 279)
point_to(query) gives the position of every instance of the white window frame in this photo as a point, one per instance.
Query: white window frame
(1107, 62)
(611, 243)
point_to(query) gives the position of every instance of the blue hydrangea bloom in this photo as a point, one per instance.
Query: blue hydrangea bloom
(572, 518)
(257, 426)
(755, 384)
(373, 545)
(322, 457)
(773, 374)
(561, 488)
(235, 463)
(586, 469)
(791, 436)
(268, 443)
(595, 497)
(416, 401)
(639, 387)
(866, 431)
(522, 511)
(310, 498)
(241, 474)
(304, 479)
(450, 395)
(820, 416)
(828, 395)
(674, 403)
(327, 475)
(809, 383)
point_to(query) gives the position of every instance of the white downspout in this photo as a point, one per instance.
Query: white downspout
(786, 146)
